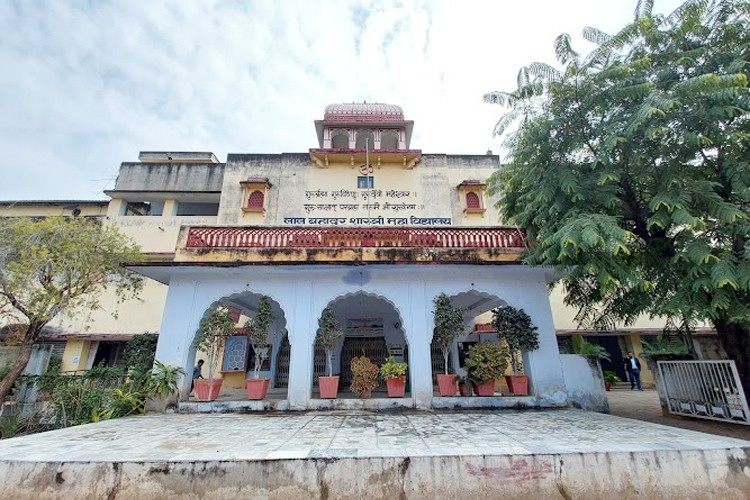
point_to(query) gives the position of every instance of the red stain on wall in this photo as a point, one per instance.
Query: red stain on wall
(521, 470)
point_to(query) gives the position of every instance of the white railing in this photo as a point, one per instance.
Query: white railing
(704, 389)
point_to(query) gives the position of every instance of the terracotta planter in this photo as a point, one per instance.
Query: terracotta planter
(447, 384)
(257, 388)
(486, 388)
(464, 389)
(396, 387)
(207, 389)
(329, 387)
(518, 384)
(607, 387)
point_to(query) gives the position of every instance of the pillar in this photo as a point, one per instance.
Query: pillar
(301, 360)
(419, 334)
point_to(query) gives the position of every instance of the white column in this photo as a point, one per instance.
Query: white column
(419, 333)
(543, 366)
(179, 325)
(301, 356)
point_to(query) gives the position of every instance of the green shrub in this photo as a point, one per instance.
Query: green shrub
(487, 361)
(392, 368)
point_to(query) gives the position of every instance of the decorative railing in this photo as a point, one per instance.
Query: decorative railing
(353, 237)
(704, 389)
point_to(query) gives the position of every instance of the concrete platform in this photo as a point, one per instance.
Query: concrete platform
(494, 454)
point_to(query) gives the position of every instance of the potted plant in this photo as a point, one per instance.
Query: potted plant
(610, 378)
(514, 326)
(257, 329)
(394, 373)
(464, 385)
(364, 376)
(485, 363)
(449, 324)
(329, 333)
(214, 330)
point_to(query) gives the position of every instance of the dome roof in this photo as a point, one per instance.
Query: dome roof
(364, 112)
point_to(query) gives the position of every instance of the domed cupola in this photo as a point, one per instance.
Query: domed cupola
(351, 128)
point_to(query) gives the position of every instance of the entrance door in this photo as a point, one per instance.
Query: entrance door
(372, 347)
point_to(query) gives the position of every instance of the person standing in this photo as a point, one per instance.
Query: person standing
(196, 374)
(633, 367)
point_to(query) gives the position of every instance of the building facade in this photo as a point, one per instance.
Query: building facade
(363, 223)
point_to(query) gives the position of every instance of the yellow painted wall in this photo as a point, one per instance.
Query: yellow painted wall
(76, 355)
(47, 209)
(156, 234)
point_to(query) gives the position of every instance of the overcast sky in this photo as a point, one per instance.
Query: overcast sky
(86, 85)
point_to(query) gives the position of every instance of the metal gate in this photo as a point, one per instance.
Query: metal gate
(704, 389)
(319, 364)
(282, 363)
(436, 357)
(372, 347)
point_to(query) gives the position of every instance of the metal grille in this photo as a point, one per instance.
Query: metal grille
(704, 389)
(319, 364)
(372, 347)
(436, 356)
(282, 363)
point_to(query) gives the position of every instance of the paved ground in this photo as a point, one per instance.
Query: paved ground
(644, 405)
(353, 434)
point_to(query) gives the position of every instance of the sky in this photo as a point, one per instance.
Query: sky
(86, 85)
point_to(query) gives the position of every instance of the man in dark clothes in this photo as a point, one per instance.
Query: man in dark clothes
(196, 373)
(633, 367)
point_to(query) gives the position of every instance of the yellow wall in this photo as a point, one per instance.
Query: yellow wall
(76, 355)
(48, 209)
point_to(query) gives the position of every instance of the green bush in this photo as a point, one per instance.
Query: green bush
(140, 351)
(487, 361)
(392, 368)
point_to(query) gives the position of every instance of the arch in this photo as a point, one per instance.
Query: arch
(364, 136)
(246, 301)
(372, 324)
(478, 305)
(255, 200)
(389, 140)
(472, 200)
(340, 139)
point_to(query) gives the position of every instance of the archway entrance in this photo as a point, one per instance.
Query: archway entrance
(372, 327)
(237, 361)
(478, 308)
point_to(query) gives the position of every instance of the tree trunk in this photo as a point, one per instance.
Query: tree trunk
(16, 369)
(735, 339)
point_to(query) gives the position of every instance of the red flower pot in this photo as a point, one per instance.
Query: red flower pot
(207, 389)
(329, 387)
(486, 388)
(447, 384)
(257, 388)
(464, 389)
(518, 384)
(396, 387)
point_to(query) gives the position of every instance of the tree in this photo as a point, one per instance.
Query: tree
(213, 332)
(258, 329)
(449, 323)
(58, 266)
(514, 326)
(328, 335)
(634, 176)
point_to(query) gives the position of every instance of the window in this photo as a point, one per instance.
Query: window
(254, 192)
(471, 194)
(389, 140)
(340, 139)
(472, 201)
(365, 182)
(255, 202)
